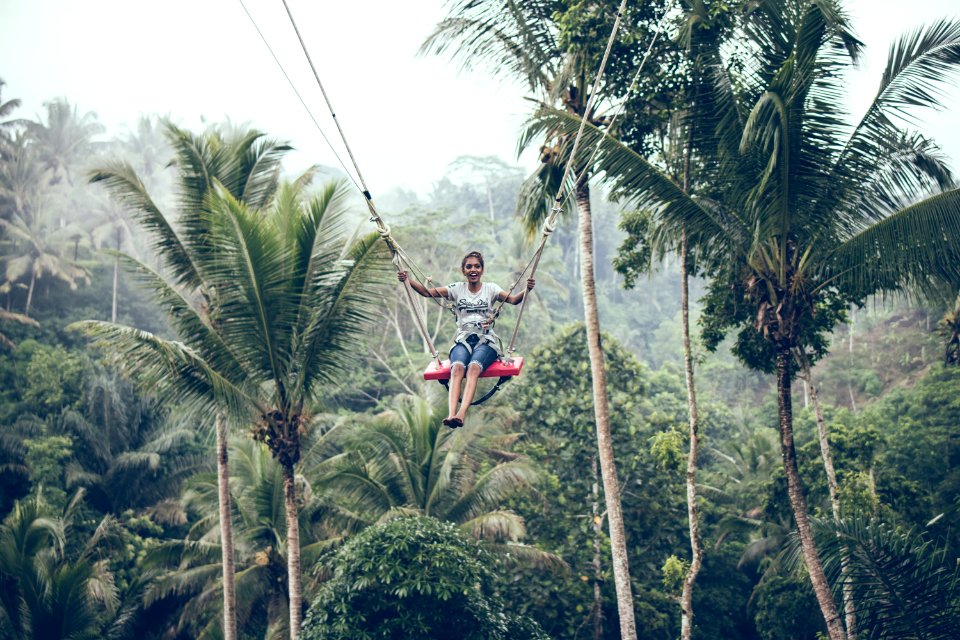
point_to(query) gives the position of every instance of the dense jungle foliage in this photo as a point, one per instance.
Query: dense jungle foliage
(404, 528)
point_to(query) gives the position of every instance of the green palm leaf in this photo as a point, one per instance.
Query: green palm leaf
(194, 327)
(342, 301)
(125, 186)
(917, 247)
(171, 367)
(903, 586)
(512, 39)
(248, 276)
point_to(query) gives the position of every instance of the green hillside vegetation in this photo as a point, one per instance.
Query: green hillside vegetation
(206, 358)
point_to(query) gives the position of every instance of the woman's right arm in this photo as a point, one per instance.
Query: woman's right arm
(432, 292)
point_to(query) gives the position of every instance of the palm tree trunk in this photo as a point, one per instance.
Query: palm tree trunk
(696, 548)
(116, 278)
(293, 550)
(490, 202)
(608, 470)
(33, 282)
(597, 562)
(226, 533)
(811, 556)
(825, 453)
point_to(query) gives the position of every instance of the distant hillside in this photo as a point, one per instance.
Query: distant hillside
(884, 348)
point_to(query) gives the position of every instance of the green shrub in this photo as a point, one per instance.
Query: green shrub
(412, 577)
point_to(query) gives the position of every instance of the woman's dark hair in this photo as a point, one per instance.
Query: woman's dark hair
(472, 254)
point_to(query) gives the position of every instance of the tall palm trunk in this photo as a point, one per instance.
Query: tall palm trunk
(293, 549)
(116, 277)
(797, 502)
(696, 548)
(608, 470)
(825, 453)
(226, 532)
(597, 562)
(33, 283)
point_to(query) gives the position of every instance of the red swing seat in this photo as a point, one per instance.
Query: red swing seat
(499, 369)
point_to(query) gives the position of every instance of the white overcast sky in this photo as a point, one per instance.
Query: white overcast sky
(406, 116)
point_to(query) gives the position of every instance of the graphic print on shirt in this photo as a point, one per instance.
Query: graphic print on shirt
(472, 308)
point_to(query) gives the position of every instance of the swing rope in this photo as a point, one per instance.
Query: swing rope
(399, 256)
(297, 93)
(383, 229)
(550, 224)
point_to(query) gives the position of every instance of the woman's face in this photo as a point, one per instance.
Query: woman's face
(473, 270)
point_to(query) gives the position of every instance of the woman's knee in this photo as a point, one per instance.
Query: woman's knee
(475, 369)
(457, 368)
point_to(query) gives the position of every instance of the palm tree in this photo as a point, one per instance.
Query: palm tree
(21, 177)
(808, 213)
(6, 108)
(268, 302)
(38, 257)
(37, 241)
(403, 461)
(112, 231)
(247, 165)
(146, 147)
(47, 590)
(190, 567)
(66, 139)
(903, 584)
(524, 41)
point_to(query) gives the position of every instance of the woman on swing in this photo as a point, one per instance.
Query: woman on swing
(475, 346)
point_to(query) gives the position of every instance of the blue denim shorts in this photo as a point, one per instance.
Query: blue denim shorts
(483, 354)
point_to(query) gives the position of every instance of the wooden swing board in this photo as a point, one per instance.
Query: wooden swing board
(498, 369)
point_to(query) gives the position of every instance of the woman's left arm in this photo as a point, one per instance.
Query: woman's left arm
(517, 298)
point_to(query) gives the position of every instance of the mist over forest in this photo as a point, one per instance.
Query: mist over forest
(737, 416)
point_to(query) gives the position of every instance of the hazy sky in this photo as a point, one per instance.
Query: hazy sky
(406, 117)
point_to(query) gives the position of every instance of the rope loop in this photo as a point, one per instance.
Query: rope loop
(384, 230)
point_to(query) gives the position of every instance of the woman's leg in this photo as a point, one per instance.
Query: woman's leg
(456, 379)
(482, 357)
(459, 357)
(470, 390)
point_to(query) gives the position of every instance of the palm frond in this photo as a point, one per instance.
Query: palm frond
(248, 276)
(511, 38)
(917, 247)
(193, 326)
(125, 186)
(174, 369)
(515, 554)
(258, 169)
(343, 301)
(347, 480)
(919, 68)
(9, 316)
(902, 585)
(910, 168)
(492, 488)
(496, 526)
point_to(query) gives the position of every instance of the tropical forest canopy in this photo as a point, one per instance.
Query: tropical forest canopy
(184, 320)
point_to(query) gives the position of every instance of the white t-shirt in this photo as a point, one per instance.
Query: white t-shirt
(473, 310)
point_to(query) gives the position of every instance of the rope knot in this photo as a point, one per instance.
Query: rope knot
(549, 225)
(384, 230)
